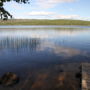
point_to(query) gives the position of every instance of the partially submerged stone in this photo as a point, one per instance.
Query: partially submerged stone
(9, 79)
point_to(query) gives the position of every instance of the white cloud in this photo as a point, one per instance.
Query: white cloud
(40, 13)
(52, 15)
(49, 15)
(67, 16)
(51, 3)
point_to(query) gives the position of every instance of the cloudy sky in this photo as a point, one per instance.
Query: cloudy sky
(51, 9)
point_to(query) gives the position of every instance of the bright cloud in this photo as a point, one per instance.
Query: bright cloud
(51, 3)
(49, 9)
(67, 16)
(40, 13)
(53, 15)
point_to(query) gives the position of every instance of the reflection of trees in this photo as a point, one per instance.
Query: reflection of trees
(19, 43)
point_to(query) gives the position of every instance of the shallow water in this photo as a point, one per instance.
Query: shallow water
(23, 49)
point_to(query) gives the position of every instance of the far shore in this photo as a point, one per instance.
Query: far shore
(44, 22)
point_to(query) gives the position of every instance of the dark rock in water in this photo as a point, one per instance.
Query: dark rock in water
(78, 75)
(9, 79)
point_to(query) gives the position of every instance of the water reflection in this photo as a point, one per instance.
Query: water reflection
(60, 50)
(27, 51)
(43, 45)
(18, 43)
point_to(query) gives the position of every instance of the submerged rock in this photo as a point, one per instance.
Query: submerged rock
(9, 79)
(78, 75)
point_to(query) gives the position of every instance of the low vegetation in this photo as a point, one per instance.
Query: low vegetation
(44, 22)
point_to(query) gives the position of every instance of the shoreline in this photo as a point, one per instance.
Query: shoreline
(44, 22)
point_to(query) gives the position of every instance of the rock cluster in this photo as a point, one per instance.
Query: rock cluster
(9, 79)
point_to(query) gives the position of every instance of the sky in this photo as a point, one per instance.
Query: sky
(50, 9)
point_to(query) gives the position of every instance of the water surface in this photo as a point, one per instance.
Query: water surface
(22, 49)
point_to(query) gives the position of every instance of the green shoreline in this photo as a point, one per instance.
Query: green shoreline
(44, 22)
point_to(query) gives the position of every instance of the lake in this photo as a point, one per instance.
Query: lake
(24, 48)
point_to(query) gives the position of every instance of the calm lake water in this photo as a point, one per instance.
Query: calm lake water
(27, 47)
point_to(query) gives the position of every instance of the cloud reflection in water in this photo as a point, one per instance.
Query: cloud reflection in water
(60, 51)
(41, 40)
